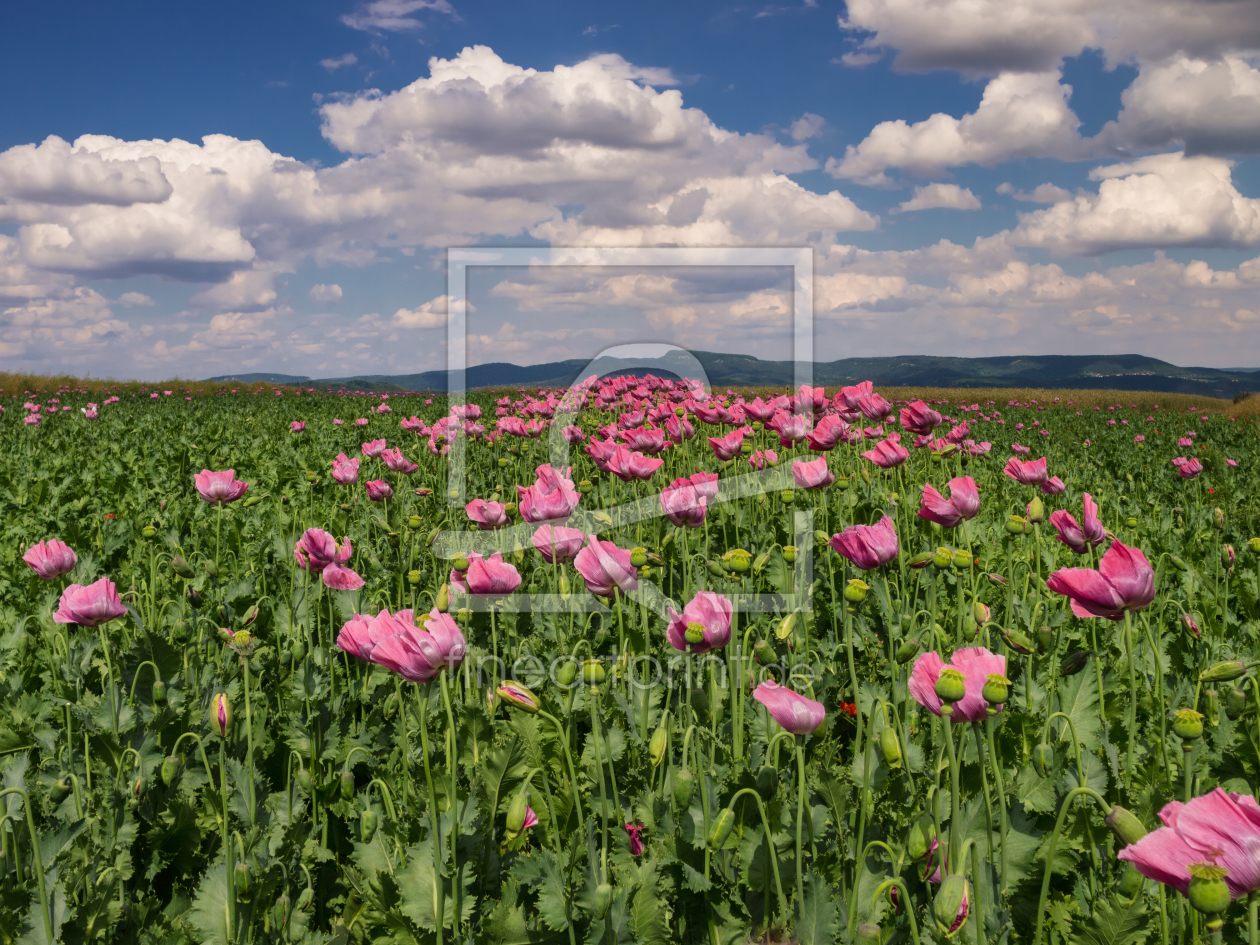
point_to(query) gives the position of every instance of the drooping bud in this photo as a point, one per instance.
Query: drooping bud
(566, 672)
(1218, 518)
(443, 602)
(869, 933)
(951, 685)
(921, 837)
(1209, 893)
(518, 810)
(242, 879)
(767, 782)
(181, 567)
(764, 653)
(890, 747)
(1130, 882)
(951, 905)
(657, 746)
(1125, 825)
(1227, 555)
(981, 613)
(1178, 563)
(1223, 672)
(517, 696)
(684, 785)
(1044, 636)
(1018, 642)
(1073, 663)
(997, 579)
(304, 782)
(603, 900)
(1235, 703)
(367, 825)
(907, 651)
(1187, 724)
(721, 828)
(172, 765)
(347, 785)
(1043, 759)
(159, 692)
(220, 714)
(60, 790)
(922, 559)
(140, 788)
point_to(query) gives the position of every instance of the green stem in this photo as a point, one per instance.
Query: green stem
(39, 863)
(439, 891)
(1054, 840)
(769, 839)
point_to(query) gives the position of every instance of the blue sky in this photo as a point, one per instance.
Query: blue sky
(200, 190)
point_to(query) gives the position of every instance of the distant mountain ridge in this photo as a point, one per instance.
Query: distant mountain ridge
(1116, 372)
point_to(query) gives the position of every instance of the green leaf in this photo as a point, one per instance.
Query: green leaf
(209, 914)
(1115, 923)
(779, 572)
(1078, 697)
(648, 914)
(542, 871)
(816, 913)
(1035, 792)
(418, 888)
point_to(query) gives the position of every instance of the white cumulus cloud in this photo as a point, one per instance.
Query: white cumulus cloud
(325, 293)
(940, 197)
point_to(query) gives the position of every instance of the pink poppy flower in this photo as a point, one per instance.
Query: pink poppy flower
(373, 448)
(682, 505)
(395, 461)
(829, 431)
(486, 515)
(1089, 533)
(486, 576)
(760, 459)
(706, 484)
(976, 664)
(963, 502)
(1190, 469)
(297, 426)
(1124, 581)
(345, 470)
(317, 549)
(561, 543)
(1053, 486)
(606, 568)
(50, 559)
(729, 446)
(1030, 472)
(920, 418)
(627, 465)
(888, 453)
(89, 606)
(707, 616)
(794, 712)
(379, 490)
(813, 474)
(868, 546)
(552, 497)
(219, 488)
(419, 655)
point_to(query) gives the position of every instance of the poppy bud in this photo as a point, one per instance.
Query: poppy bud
(981, 613)
(684, 785)
(159, 692)
(907, 651)
(367, 825)
(242, 879)
(1208, 891)
(139, 788)
(1254, 545)
(1073, 663)
(855, 591)
(789, 553)
(922, 559)
(997, 689)
(1036, 511)
(1018, 642)
(212, 568)
(951, 685)
(822, 539)
(721, 828)
(1187, 724)
(1189, 623)
(304, 782)
(518, 810)
(951, 905)
(298, 649)
(1227, 555)
(181, 567)
(1218, 518)
(1043, 759)
(890, 746)
(1044, 636)
(347, 785)
(997, 579)
(767, 782)
(566, 673)
(516, 695)
(715, 568)
(220, 714)
(1130, 881)
(443, 602)
(1235, 703)
(638, 557)
(603, 900)
(657, 746)
(304, 900)
(281, 910)
(1178, 563)
(869, 933)
(921, 837)
(764, 653)
(593, 672)
(1125, 825)
(60, 790)
(942, 558)
(1213, 707)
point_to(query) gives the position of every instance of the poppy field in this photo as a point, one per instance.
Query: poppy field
(636, 661)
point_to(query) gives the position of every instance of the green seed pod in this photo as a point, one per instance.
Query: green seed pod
(460, 562)
(942, 557)
(1254, 545)
(347, 785)
(721, 828)
(443, 602)
(919, 840)
(788, 496)
(1235, 703)
(603, 899)
(962, 559)
(1131, 522)
(518, 809)
(159, 693)
(890, 746)
(566, 673)
(148, 532)
(1073, 663)
(304, 782)
(1223, 672)
(907, 650)
(951, 905)
(1130, 882)
(413, 577)
(855, 591)
(1208, 891)
(60, 790)
(997, 689)
(1187, 724)
(1125, 825)
(657, 746)
(638, 557)
(869, 933)
(593, 672)
(767, 782)
(1018, 642)
(951, 685)
(1043, 759)
(738, 560)
(684, 785)
(172, 766)
(367, 825)
(586, 487)
(1016, 525)
(789, 553)
(181, 567)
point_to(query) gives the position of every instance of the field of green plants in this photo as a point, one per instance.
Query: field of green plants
(634, 662)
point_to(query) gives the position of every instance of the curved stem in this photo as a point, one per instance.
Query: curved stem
(39, 863)
(1054, 840)
(770, 849)
(897, 882)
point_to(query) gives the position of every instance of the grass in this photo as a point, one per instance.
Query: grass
(18, 384)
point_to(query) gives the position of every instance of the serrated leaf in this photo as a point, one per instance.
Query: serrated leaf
(542, 872)
(1078, 698)
(1115, 923)
(816, 913)
(209, 913)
